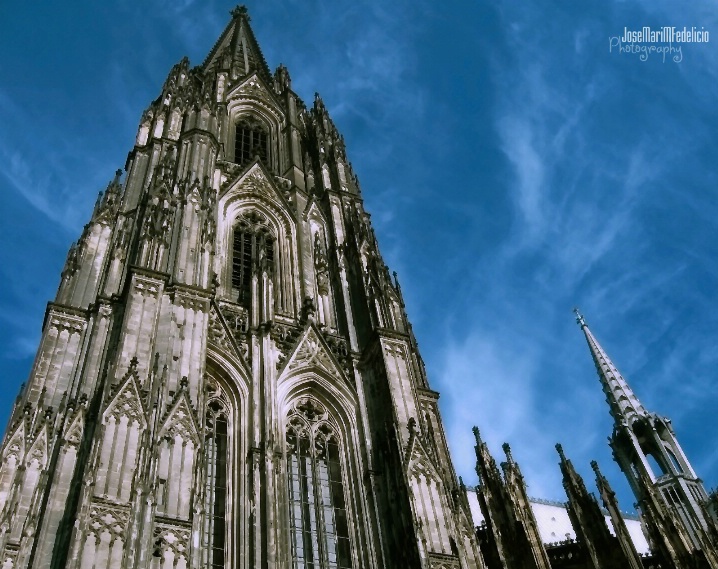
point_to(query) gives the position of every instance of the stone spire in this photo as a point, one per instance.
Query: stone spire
(494, 503)
(512, 535)
(528, 536)
(625, 406)
(631, 558)
(586, 517)
(669, 493)
(237, 49)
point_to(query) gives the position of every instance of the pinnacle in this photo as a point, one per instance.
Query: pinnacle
(240, 11)
(559, 449)
(579, 318)
(477, 435)
(507, 451)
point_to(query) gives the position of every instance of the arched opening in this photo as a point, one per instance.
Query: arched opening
(655, 464)
(215, 484)
(223, 477)
(674, 461)
(253, 250)
(317, 503)
(251, 140)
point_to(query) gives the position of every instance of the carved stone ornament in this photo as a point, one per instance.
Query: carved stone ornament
(66, 322)
(233, 336)
(312, 353)
(181, 421)
(127, 401)
(439, 561)
(172, 538)
(253, 87)
(105, 518)
(256, 183)
(146, 286)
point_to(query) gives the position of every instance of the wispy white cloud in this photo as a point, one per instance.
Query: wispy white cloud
(581, 198)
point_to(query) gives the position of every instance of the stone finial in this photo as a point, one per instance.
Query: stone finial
(579, 318)
(594, 465)
(477, 436)
(559, 449)
(282, 78)
(239, 11)
(507, 450)
(133, 363)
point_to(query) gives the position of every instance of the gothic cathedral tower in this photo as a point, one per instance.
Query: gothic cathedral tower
(669, 494)
(227, 377)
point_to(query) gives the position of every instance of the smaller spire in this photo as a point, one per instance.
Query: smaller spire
(507, 451)
(559, 449)
(239, 11)
(477, 435)
(625, 407)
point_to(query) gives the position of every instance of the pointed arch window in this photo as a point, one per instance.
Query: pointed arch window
(252, 248)
(215, 486)
(318, 515)
(250, 140)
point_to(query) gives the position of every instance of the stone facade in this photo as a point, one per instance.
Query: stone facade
(227, 377)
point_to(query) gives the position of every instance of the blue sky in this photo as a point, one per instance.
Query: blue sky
(514, 169)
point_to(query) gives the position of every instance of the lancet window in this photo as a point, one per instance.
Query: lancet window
(250, 140)
(318, 515)
(215, 485)
(252, 248)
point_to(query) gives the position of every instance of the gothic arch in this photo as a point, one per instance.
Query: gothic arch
(225, 381)
(252, 98)
(254, 192)
(342, 406)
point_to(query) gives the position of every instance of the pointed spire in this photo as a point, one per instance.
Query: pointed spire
(237, 49)
(625, 406)
(239, 11)
(587, 519)
(507, 452)
(631, 558)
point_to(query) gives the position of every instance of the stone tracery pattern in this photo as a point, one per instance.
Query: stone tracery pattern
(153, 432)
(318, 516)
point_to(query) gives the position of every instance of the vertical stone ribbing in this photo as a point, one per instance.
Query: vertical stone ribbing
(106, 463)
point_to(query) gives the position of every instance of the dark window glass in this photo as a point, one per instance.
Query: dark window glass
(318, 517)
(250, 141)
(249, 247)
(215, 486)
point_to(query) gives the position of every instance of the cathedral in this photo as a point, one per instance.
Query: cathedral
(227, 377)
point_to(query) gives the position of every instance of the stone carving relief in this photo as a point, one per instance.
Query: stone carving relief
(105, 518)
(228, 329)
(312, 353)
(438, 561)
(181, 418)
(171, 540)
(128, 399)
